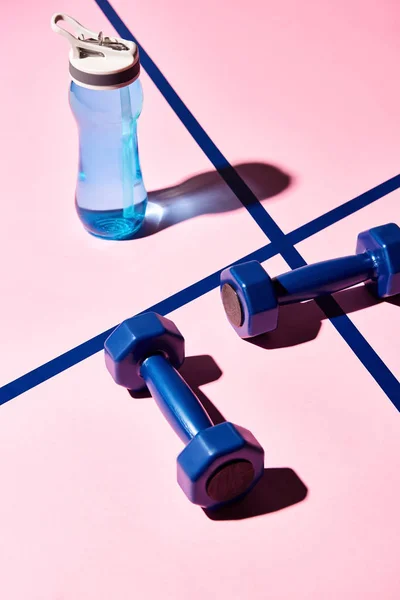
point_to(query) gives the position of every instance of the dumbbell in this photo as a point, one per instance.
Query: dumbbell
(251, 299)
(220, 463)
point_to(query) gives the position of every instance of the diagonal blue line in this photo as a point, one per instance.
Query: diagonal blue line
(361, 348)
(343, 325)
(344, 210)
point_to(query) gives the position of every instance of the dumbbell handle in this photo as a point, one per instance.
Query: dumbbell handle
(324, 277)
(176, 400)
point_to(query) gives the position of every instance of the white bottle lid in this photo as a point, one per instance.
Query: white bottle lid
(95, 61)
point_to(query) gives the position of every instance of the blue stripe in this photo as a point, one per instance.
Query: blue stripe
(347, 330)
(361, 348)
(344, 210)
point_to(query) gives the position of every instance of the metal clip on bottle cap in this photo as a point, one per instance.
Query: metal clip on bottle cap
(96, 61)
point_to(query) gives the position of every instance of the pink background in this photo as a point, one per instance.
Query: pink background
(89, 505)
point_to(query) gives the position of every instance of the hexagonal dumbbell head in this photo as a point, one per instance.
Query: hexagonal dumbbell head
(383, 243)
(220, 464)
(136, 339)
(249, 299)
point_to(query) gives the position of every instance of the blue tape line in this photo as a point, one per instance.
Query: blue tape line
(344, 325)
(344, 210)
(215, 156)
(361, 348)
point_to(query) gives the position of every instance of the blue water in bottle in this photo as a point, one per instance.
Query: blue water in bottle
(110, 195)
(106, 99)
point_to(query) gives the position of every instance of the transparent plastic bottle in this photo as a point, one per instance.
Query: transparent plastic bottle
(106, 99)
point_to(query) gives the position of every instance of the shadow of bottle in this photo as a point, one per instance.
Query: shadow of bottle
(207, 193)
(302, 322)
(278, 488)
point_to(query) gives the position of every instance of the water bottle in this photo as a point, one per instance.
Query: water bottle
(106, 99)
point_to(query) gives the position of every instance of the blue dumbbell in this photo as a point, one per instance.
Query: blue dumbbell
(251, 299)
(220, 462)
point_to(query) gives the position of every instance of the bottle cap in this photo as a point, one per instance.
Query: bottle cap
(96, 61)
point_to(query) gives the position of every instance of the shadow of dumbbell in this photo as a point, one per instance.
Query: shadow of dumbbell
(395, 300)
(301, 323)
(277, 489)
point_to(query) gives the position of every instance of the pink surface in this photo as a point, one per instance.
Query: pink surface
(89, 507)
